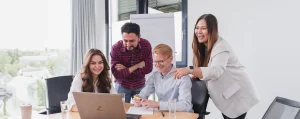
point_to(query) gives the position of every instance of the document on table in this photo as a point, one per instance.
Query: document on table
(140, 110)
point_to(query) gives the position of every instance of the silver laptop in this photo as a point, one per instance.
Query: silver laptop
(101, 106)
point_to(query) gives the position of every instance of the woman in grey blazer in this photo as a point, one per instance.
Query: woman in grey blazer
(229, 85)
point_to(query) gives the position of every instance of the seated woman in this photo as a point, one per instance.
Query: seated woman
(93, 77)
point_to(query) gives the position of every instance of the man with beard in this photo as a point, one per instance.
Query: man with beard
(131, 60)
(164, 84)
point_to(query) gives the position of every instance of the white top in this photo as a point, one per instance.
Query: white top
(228, 83)
(77, 85)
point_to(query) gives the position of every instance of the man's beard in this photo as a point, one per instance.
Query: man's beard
(130, 48)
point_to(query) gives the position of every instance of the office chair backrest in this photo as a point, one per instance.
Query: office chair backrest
(298, 115)
(57, 90)
(199, 98)
(282, 108)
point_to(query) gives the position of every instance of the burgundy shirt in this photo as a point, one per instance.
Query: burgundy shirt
(120, 55)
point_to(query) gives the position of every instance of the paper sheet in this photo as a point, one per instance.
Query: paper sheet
(140, 111)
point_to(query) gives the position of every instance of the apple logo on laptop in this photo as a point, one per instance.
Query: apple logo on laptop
(99, 108)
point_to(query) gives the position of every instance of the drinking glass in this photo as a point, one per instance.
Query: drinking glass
(123, 97)
(65, 108)
(172, 109)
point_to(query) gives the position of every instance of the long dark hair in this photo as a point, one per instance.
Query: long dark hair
(201, 52)
(104, 82)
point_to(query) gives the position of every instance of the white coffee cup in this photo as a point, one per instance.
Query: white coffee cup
(26, 111)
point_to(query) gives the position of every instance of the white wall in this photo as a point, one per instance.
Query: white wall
(264, 35)
(100, 25)
(114, 9)
(178, 35)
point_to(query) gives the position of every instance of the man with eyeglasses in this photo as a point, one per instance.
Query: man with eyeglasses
(131, 60)
(164, 85)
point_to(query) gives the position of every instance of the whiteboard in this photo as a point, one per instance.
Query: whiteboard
(157, 29)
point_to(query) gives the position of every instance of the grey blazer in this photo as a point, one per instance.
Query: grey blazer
(229, 85)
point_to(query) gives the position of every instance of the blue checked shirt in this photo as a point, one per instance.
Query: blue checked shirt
(167, 88)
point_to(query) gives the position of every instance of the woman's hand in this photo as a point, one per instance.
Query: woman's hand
(179, 72)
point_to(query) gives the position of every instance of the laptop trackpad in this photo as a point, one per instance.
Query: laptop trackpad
(133, 116)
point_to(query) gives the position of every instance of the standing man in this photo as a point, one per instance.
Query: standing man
(131, 60)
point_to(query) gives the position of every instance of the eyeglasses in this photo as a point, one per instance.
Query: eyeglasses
(160, 61)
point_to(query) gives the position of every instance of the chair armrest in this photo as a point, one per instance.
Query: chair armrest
(43, 111)
(203, 114)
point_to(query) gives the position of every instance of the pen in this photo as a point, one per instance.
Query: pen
(162, 113)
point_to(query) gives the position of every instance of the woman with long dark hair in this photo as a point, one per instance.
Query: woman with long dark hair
(93, 77)
(214, 61)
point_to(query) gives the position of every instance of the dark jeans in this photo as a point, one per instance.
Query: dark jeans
(240, 117)
(129, 93)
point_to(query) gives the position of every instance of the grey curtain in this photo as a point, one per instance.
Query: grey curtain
(83, 31)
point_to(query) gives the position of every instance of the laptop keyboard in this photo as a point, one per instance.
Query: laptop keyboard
(133, 116)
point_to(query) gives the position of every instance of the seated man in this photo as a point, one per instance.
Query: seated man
(164, 85)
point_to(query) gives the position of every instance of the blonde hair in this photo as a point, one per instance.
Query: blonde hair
(163, 49)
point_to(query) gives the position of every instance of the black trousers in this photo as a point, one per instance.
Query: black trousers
(240, 117)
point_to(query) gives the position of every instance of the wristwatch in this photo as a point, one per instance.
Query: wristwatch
(191, 69)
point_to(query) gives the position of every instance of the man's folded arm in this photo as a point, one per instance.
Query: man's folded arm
(118, 74)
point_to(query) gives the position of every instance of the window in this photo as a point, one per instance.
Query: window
(35, 44)
(165, 6)
(125, 8)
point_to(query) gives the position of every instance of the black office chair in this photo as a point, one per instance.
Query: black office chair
(199, 98)
(57, 90)
(298, 115)
(282, 108)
